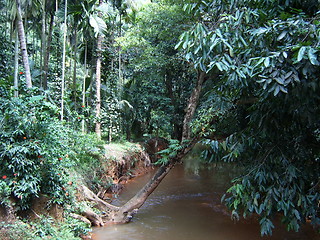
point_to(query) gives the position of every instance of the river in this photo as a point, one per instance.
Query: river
(187, 206)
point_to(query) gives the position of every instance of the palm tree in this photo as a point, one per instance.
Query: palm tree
(98, 81)
(16, 64)
(23, 44)
(48, 9)
(64, 59)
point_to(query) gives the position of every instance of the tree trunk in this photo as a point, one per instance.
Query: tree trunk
(47, 55)
(98, 87)
(84, 85)
(74, 77)
(177, 127)
(43, 39)
(23, 45)
(125, 213)
(192, 105)
(98, 83)
(63, 59)
(119, 60)
(16, 66)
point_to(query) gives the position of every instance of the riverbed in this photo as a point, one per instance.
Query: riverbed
(187, 206)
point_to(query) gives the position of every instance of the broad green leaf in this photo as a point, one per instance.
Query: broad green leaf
(276, 90)
(282, 35)
(98, 24)
(267, 62)
(301, 53)
(283, 89)
(186, 41)
(279, 80)
(312, 56)
(219, 66)
(285, 55)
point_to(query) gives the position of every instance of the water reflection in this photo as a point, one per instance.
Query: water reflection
(187, 207)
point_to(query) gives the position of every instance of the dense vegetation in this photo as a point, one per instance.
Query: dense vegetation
(246, 69)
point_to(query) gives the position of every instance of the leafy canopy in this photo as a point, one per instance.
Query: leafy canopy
(265, 98)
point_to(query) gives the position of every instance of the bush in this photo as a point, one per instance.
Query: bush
(43, 228)
(33, 150)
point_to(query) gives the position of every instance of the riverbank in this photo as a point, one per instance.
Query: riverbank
(105, 172)
(187, 205)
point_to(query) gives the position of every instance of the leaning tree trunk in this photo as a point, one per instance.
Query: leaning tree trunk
(192, 105)
(23, 45)
(124, 213)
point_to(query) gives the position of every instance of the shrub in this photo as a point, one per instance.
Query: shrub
(33, 150)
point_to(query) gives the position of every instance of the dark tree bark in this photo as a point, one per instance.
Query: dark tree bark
(46, 56)
(192, 105)
(177, 127)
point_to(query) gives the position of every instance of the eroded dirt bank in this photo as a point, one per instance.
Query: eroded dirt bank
(117, 165)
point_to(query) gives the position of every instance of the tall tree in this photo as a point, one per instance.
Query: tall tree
(98, 81)
(64, 59)
(124, 213)
(16, 65)
(48, 9)
(158, 79)
(265, 60)
(23, 44)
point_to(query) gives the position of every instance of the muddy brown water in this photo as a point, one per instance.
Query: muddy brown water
(187, 206)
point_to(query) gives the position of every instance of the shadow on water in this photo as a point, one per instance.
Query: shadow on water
(187, 206)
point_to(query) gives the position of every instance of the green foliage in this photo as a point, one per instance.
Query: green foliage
(44, 228)
(33, 150)
(169, 153)
(86, 151)
(158, 80)
(265, 61)
(5, 192)
(110, 119)
(15, 231)
(6, 53)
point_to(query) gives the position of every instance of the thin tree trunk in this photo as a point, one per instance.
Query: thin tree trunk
(192, 105)
(43, 40)
(98, 87)
(84, 85)
(23, 45)
(98, 83)
(47, 55)
(16, 65)
(119, 60)
(74, 77)
(64, 59)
